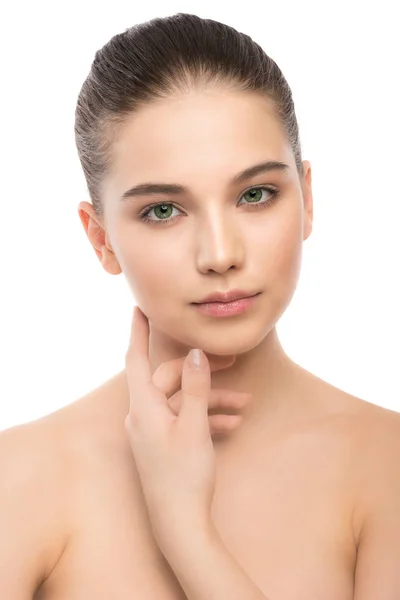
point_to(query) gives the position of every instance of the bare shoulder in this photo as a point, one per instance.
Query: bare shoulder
(366, 436)
(376, 473)
(374, 431)
(361, 417)
(40, 464)
(376, 516)
(377, 430)
(380, 438)
(34, 498)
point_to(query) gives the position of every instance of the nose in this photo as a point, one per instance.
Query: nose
(219, 244)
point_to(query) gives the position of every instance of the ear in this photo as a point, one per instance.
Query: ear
(95, 231)
(306, 186)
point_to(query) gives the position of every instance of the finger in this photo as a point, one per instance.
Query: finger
(167, 377)
(137, 356)
(221, 399)
(218, 400)
(143, 393)
(222, 423)
(196, 387)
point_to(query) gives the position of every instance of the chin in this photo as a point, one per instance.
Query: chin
(231, 341)
(219, 336)
(229, 349)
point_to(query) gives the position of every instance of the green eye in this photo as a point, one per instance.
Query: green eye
(163, 214)
(164, 210)
(255, 194)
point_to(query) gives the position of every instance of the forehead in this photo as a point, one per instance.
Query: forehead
(214, 132)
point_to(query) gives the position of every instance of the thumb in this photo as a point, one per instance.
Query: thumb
(196, 388)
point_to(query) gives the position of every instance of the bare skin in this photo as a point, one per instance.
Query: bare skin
(288, 500)
(307, 495)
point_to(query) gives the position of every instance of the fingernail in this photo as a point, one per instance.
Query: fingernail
(195, 358)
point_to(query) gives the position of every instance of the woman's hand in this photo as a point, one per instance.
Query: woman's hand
(174, 453)
(167, 378)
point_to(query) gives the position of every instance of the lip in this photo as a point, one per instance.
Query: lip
(226, 309)
(226, 296)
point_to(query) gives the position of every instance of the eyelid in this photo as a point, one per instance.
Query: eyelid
(273, 189)
(268, 186)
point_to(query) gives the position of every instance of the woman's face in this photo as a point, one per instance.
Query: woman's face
(214, 233)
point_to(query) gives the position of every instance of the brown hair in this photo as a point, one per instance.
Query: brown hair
(154, 59)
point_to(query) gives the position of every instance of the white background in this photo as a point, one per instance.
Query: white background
(64, 322)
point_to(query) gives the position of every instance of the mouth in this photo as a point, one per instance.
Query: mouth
(226, 297)
(234, 307)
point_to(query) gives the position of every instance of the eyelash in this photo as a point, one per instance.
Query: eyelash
(272, 190)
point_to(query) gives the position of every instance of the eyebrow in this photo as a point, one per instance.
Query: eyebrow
(148, 189)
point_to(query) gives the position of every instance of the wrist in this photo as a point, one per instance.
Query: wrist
(185, 534)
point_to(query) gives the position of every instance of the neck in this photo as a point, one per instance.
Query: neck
(265, 371)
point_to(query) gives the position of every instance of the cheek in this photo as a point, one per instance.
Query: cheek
(280, 253)
(151, 271)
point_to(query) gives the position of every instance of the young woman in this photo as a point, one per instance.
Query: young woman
(230, 471)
